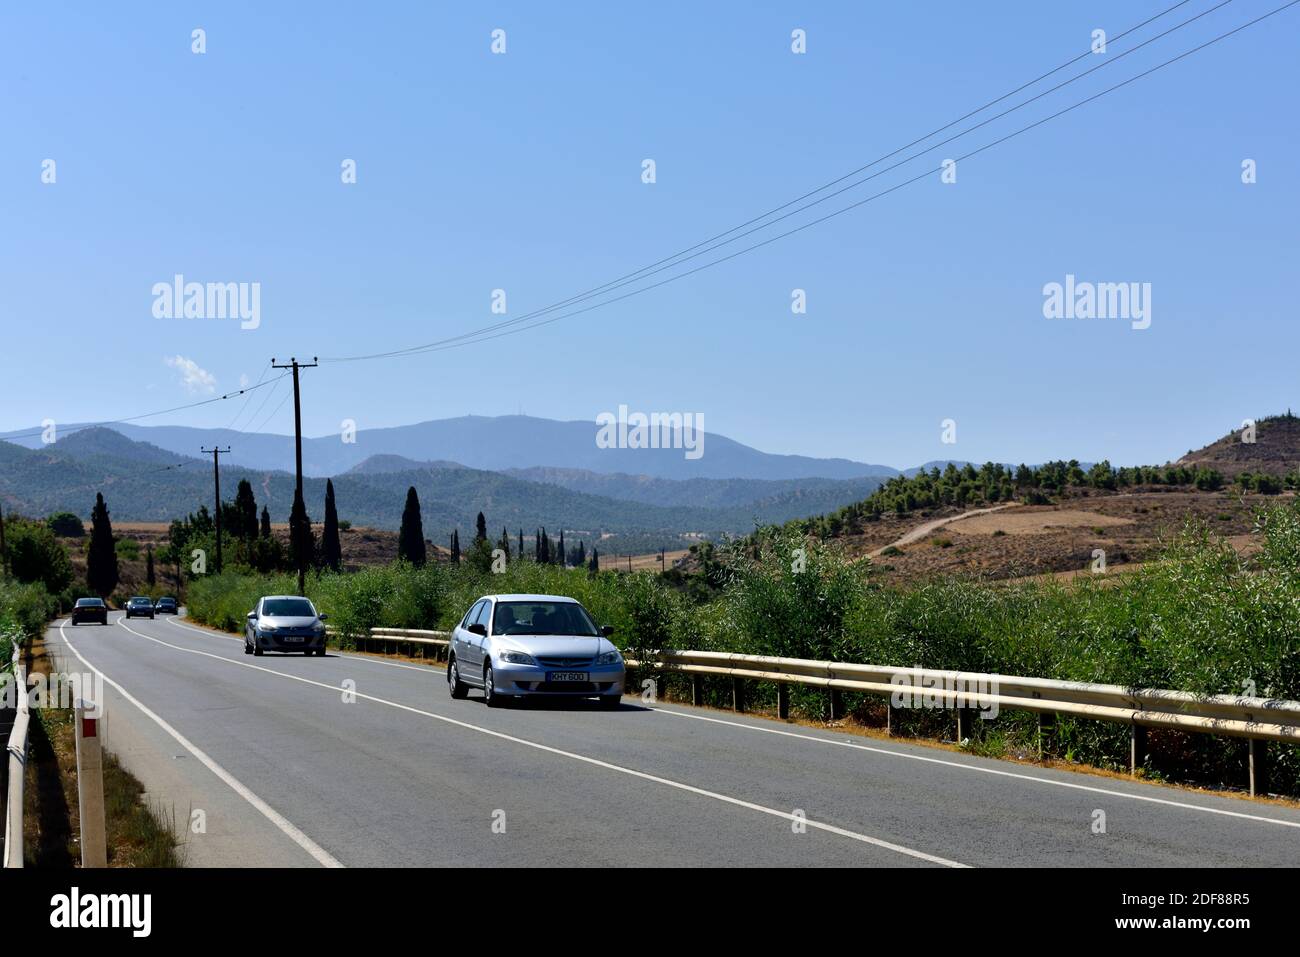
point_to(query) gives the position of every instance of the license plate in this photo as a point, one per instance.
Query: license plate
(566, 676)
(293, 638)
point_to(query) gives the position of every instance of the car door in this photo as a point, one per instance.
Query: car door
(460, 640)
(478, 643)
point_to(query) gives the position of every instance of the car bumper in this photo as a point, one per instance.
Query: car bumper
(291, 643)
(533, 681)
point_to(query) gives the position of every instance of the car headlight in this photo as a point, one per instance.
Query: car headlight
(517, 658)
(266, 629)
(609, 658)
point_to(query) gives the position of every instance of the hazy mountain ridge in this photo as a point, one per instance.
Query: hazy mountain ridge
(492, 444)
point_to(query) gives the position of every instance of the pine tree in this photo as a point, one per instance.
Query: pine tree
(101, 560)
(331, 551)
(480, 529)
(561, 558)
(302, 542)
(245, 512)
(455, 546)
(410, 540)
(266, 523)
(148, 567)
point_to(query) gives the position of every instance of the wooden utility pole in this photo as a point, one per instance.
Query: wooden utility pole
(295, 365)
(216, 454)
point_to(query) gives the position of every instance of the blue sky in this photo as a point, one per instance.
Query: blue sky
(523, 172)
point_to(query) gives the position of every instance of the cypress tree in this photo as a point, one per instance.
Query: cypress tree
(581, 558)
(410, 540)
(561, 558)
(101, 560)
(504, 544)
(302, 543)
(455, 546)
(266, 523)
(480, 529)
(245, 512)
(331, 551)
(148, 566)
(520, 553)
(593, 566)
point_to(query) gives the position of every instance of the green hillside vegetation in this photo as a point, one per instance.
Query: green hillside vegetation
(991, 484)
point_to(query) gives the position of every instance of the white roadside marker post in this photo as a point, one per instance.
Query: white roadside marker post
(90, 786)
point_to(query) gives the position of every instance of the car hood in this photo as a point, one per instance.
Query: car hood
(563, 646)
(286, 621)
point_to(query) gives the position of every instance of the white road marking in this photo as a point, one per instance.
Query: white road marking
(212, 633)
(595, 762)
(321, 856)
(975, 767)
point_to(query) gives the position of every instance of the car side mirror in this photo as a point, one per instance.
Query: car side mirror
(477, 629)
(322, 617)
(252, 616)
(607, 630)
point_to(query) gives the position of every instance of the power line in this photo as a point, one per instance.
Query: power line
(145, 415)
(258, 411)
(243, 408)
(483, 336)
(677, 258)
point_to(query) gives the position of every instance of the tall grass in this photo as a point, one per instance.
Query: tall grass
(1203, 620)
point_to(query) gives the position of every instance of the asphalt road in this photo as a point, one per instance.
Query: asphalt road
(287, 768)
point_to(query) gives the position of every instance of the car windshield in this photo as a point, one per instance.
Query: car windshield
(542, 618)
(288, 608)
(140, 601)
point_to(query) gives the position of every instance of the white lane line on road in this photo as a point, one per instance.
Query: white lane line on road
(321, 856)
(975, 767)
(595, 762)
(211, 633)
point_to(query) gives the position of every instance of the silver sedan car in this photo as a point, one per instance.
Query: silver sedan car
(284, 623)
(530, 646)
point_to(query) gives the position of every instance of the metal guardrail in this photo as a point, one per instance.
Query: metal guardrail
(423, 639)
(1259, 720)
(17, 753)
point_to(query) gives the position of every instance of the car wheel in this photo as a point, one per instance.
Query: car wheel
(610, 701)
(257, 649)
(490, 697)
(320, 652)
(248, 649)
(454, 684)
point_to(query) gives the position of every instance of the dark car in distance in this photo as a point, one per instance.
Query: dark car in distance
(90, 609)
(165, 606)
(139, 606)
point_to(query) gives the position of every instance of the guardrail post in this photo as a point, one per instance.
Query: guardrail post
(963, 724)
(836, 704)
(697, 690)
(90, 788)
(738, 694)
(1046, 724)
(889, 717)
(1258, 767)
(782, 700)
(1137, 748)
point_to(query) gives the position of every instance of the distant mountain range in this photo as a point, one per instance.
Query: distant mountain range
(493, 444)
(143, 482)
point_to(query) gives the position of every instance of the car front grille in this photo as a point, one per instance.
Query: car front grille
(552, 662)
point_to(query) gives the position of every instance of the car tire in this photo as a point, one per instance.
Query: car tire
(454, 684)
(257, 649)
(320, 652)
(492, 698)
(248, 649)
(610, 701)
